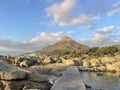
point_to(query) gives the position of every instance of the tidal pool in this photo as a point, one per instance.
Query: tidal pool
(106, 81)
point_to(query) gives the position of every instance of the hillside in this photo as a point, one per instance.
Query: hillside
(66, 44)
(118, 46)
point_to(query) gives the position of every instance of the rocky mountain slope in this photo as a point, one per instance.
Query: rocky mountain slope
(66, 44)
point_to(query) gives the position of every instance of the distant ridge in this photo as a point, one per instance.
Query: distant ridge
(66, 44)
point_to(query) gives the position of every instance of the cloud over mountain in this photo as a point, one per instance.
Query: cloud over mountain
(40, 41)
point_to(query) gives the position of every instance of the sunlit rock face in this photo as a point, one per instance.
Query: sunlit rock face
(66, 38)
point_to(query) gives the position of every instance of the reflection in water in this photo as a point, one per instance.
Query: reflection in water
(107, 81)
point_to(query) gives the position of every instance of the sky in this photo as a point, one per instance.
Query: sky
(29, 25)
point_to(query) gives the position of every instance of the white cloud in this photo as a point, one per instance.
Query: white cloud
(105, 30)
(116, 5)
(100, 40)
(63, 14)
(113, 12)
(8, 51)
(102, 37)
(115, 9)
(40, 41)
(70, 32)
(46, 38)
(88, 27)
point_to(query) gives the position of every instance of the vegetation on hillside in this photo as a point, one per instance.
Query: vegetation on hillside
(107, 50)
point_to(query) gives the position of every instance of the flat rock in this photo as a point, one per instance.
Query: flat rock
(35, 76)
(11, 72)
(69, 81)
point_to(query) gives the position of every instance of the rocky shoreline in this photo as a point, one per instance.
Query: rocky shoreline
(21, 73)
(15, 78)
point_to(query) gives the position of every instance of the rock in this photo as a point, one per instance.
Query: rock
(103, 68)
(18, 60)
(25, 63)
(35, 76)
(95, 63)
(81, 68)
(24, 85)
(66, 39)
(15, 78)
(113, 71)
(59, 61)
(10, 72)
(1, 85)
(70, 80)
(87, 64)
(40, 62)
(41, 70)
(76, 62)
(52, 60)
(49, 60)
(58, 70)
(87, 86)
(68, 62)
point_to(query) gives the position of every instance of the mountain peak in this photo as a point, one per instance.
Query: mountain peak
(66, 38)
(66, 44)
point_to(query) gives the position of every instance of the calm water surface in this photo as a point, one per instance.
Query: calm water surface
(107, 81)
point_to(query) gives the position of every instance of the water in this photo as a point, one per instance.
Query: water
(106, 82)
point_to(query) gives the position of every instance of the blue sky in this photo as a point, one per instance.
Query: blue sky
(29, 25)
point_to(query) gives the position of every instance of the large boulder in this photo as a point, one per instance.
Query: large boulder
(15, 78)
(10, 72)
(41, 70)
(35, 76)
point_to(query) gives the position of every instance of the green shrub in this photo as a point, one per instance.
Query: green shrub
(71, 53)
(92, 51)
(108, 50)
